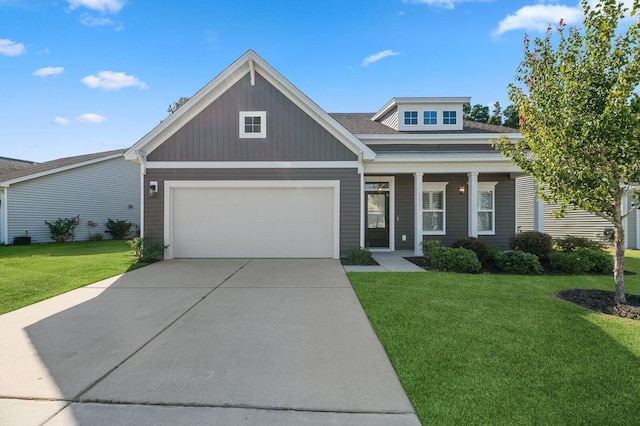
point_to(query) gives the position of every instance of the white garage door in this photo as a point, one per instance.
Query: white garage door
(237, 219)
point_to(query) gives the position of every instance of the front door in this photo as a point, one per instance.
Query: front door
(377, 219)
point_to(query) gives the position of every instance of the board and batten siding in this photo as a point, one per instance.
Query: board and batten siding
(456, 207)
(349, 194)
(213, 135)
(405, 213)
(96, 192)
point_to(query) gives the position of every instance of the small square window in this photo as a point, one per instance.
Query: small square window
(449, 117)
(430, 118)
(411, 118)
(253, 124)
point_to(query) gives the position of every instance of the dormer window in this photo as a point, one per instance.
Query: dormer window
(449, 117)
(430, 118)
(253, 124)
(411, 118)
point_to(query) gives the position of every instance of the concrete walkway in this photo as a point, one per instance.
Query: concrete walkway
(268, 342)
(388, 262)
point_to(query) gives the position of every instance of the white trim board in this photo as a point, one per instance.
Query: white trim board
(252, 165)
(171, 185)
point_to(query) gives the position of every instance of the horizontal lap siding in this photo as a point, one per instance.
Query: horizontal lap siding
(213, 135)
(525, 203)
(349, 194)
(457, 208)
(95, 192)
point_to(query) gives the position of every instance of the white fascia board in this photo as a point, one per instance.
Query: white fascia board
(195, 105)
(225, 80)
(305, 103)
(8, 183)
(440, 167)
(419, 100)
(424, 138)
(252, 165)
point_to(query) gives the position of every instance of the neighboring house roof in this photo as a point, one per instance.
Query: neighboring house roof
(50, 167)
(361, 123)
(10, 164)
(248, 63)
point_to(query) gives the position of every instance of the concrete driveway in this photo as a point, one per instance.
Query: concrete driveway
(229, 342)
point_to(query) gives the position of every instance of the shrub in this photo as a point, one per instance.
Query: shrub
(572, 243)
(147, 250)
(479, 246)
(572, 262)
(360, 256)
(518, 262)
(119, 229)
(61, 229)
(601, 261)
(428, 245)
(95, 237)
(454, 260)
(534, 242)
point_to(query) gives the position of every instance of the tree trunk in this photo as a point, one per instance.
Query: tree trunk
(618, 268)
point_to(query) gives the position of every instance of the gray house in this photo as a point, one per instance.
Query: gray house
(251, 167)
(93, 187)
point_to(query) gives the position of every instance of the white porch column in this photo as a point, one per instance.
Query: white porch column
(362, 210)
(418, 214)
(472, 185)
(538, 211)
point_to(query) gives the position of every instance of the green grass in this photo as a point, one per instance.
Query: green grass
(502, 350)
(37, 272)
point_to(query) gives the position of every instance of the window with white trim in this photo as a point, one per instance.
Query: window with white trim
(487, 208)
(253, 124)
(449, 117)
(433, 208)
(430, 118)
(411, 118)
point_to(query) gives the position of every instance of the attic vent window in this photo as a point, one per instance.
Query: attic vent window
(253, 124)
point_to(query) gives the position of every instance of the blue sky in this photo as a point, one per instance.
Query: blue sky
(82, 76)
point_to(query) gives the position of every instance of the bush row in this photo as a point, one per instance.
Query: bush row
(528, 251)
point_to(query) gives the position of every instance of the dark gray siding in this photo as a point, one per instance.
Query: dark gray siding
(432, 148)
(213, 135)
(349, 194)
(457, 208)
(405, 213)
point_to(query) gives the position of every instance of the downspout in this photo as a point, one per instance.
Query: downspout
(5, 215)
(142, 159)
(361, 172)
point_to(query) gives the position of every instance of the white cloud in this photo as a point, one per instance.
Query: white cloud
(109, 80)
(378, 56)
(91, 21)
(44, 72)
(104, 6)
(91, 118)
(446, 4)
(61, 120)
(11, 48)
(538, 18)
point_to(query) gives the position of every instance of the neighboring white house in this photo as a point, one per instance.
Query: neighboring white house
(92, 187)
(533, 214)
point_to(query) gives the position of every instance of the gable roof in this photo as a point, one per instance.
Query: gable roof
(249, 62)
(360, 123)
(9, 164)
(42, 169)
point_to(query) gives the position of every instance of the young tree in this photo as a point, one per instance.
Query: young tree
(177, 104)
(580, 116)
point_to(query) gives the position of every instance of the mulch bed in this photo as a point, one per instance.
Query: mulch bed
(602, 301)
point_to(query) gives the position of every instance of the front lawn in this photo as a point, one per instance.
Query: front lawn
(33, 273)
(502, 350)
